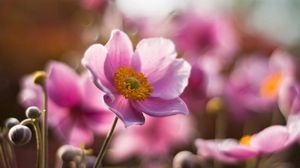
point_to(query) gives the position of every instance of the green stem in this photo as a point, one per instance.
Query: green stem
(3, 157)
(11, 153)
(36, 126)
(44, 128)
(105, 144)
(257, 162)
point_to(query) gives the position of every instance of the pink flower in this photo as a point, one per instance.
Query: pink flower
(93, 4)
(201, 34)
(255, 82)
(269, 140)
(155, 139)
(75, 106)
(148, 80)
(289, 98)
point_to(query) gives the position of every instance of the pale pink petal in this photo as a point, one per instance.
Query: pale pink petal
(56, 113)
(80, 134)
(126, 145)
(93, 60)
(124, 110)
(98, 120)
(175, 79)
(271, 139)
(293, 126)
(210, 149)
(154, 54)
(160, 107)
(119, 54)
(63, 85)
(241, 152)
(92, 97)
(31, 94)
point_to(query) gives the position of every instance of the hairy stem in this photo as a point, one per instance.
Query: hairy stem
(105, 144)
(45, 128)
(37, 130)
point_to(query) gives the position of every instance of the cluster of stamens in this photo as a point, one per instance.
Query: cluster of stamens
(245, 140)
(131, 84)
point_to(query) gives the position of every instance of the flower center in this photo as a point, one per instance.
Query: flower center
(245, 140)
(270, 85)
(131, 84)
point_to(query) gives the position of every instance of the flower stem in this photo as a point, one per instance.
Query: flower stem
(105, 144)
(3, 157)
(37, 130)
(45, 128)
(11, 153)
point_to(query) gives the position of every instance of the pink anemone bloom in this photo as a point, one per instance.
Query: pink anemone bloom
(75, 106)
(148, 80)
(255, 83)
(154, 140)
(201, 34)
(269, 140)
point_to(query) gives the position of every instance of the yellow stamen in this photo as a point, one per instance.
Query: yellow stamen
(270, 86)
(214, 105)
(245, 140)
(131, 84)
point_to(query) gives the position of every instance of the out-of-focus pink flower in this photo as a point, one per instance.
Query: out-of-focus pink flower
(155, 139)
(269, 140)
(75, 106)
(255, 82)
(289, 98)
(148, 80)
(201, 34)
(93, 4)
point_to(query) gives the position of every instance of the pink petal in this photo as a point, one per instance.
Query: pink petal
(119, 54)
(93, 60)
(211, 149)
(98, 120)
(236, 150)
(175, 79)
(31, 94)
(80, 134)
(92, 97)
(153, 52)
(271, 139)
(124, 110)
(160, 107)
(63, 84)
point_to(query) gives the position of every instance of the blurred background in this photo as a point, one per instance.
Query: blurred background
(34, 32)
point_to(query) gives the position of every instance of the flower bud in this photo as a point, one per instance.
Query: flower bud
(33, 112)
(19, 135)
(68, 153)
(10, 122)
(39, 77)
(186, 159)
(214, 105)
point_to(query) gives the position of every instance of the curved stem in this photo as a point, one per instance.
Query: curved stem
(105, 144)
(44, 129)
(38, 136)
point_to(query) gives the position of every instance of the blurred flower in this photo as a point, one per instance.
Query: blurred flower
(154, 140)
(289, 98)
(75, 105)
(269, 140)
(201, 34)
(148, 80)
(93, 4)
(255, 82)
